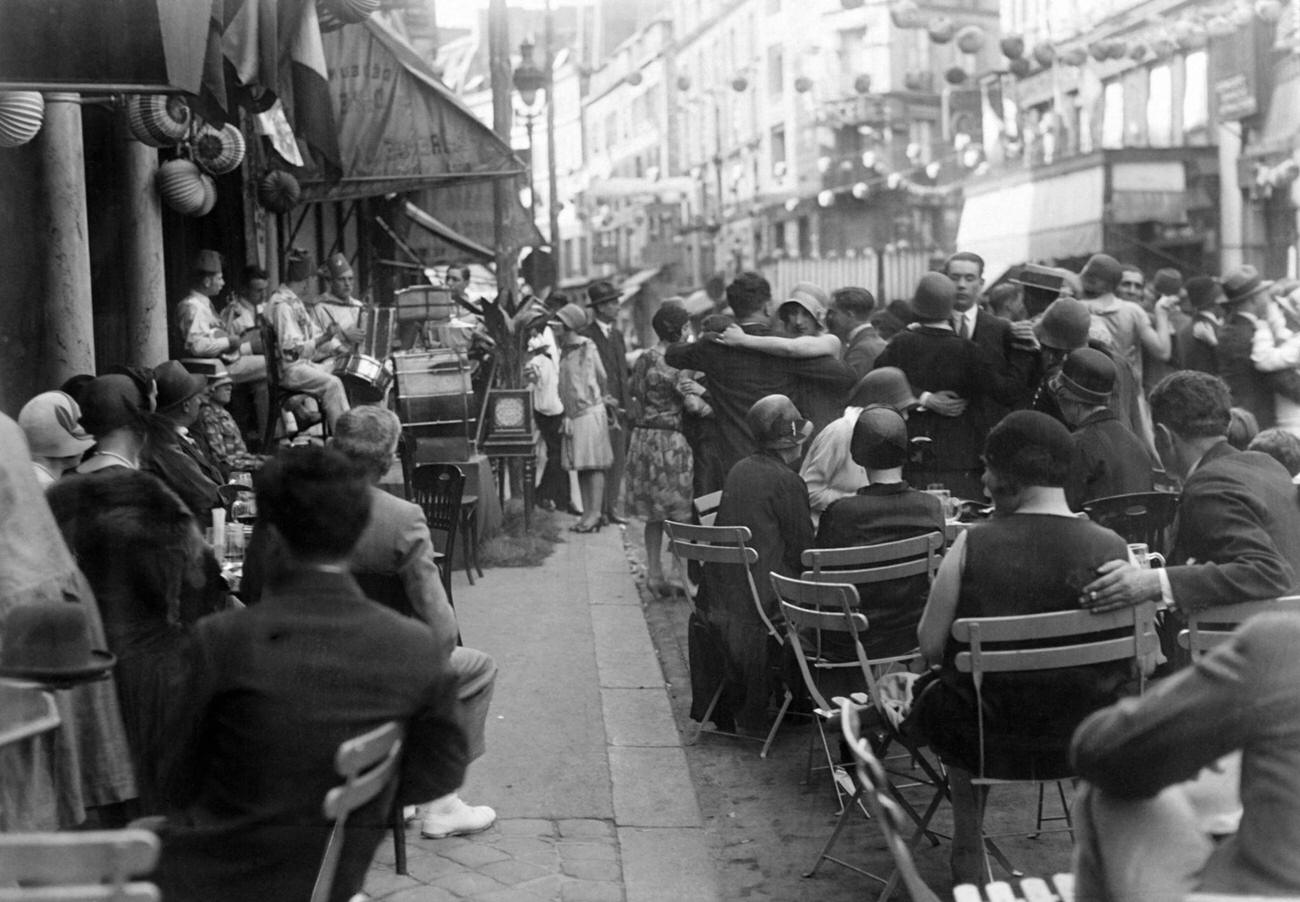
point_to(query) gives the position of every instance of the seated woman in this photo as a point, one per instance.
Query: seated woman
(1028, 718)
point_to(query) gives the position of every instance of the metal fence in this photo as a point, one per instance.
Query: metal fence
(890, 275)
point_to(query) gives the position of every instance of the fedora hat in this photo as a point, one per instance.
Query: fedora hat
(600, 292)
(49, 640)
(176, 385)
(1241, 283)
(1087, 376)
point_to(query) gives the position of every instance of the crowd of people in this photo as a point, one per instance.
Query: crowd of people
(824, 420)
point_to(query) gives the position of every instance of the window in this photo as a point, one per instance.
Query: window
(775, 71)
(1112, 117)
(1196, 106)
(1160, 107)
(778, 150)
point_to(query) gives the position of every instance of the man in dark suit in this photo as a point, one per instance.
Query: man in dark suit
(1243, 302)
(849, 318)
(603, 299)
(1108, 458)
(1237, 536)
(738, 377)
(1196, 342)
(885, 510)
(272, 690)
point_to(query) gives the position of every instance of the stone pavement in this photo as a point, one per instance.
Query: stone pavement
(584, 766)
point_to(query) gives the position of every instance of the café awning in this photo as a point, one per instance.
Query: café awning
(635, 282)
(399, 128)
(446, 233)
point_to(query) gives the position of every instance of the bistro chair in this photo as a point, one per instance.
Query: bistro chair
(706, 507)
(1036, 642)
(78, 867)
(367, 763)
(815, 613)
(439, 489)
(720, 545)
(278, 394)
(1214, 626)
(1146, 517)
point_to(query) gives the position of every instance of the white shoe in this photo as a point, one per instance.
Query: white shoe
(449, 816)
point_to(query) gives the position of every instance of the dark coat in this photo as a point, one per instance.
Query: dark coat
(613, 355)
(271, 691)
(862, 349)
(1250, 388)
(1016, 367)
(1239, 521)
(738, 377)
(1108, 460)
(1193, 354)
(183, 467)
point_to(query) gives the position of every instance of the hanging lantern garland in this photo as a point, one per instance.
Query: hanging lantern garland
(942, 30)
(1012, 46)
(185, 188)
(219, 151)
(862, 84)
(278, 191)
(21, 116)
(803, 84)
(1044, 53)
(1020, 67)
(159, 120)
(970, 39)
(906, 14)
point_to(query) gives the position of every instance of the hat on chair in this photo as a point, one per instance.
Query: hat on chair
(776, 423)
(1087, 376)
(50, 640)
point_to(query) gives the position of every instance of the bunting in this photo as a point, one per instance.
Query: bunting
(305, 86)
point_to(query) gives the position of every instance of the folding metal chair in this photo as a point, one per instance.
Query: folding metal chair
(812, 610)
(723, 545)
(1214, 626)
(70, 867)
(1050, 641)
(706, 507)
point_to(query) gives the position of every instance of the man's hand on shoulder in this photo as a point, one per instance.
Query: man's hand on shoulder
(1120, 584)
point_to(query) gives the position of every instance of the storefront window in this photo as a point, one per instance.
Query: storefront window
(1112, 120)
(1160, 107)
(1196, 105)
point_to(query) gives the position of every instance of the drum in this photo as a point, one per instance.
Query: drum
(367, 379)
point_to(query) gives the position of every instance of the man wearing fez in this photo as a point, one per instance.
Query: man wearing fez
(603, 299)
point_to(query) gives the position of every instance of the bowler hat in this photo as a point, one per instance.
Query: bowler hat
(110, 402)
(49, 421)
(879, 439)
(176, 385)
(1241, 283)
(1203, 292)
(885, 385)
(600, 292)
(336, 267)
(208, 261)
(934, 298)
(50, 640)
(1087, 376)
(776, 423)
(1064, 326)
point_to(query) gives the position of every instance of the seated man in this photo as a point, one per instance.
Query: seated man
(762, 492)
(885, 510)
(204, 334)
(1142, 832)
(828, 468)
(1026, 560)
(1238, 533)
(225, 443)
(272, 690)
(1109, 458)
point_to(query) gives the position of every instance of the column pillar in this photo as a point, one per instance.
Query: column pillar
(1231, 226)
(69, 346)
(145, 279)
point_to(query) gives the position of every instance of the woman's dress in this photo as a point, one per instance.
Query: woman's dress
(657, 484)
(586, 425)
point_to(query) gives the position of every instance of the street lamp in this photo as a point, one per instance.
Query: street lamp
(528, 79)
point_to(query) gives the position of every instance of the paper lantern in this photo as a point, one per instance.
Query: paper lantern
(159, 120)
(683, 82)
(906, 14)
(825, 198)
(21, 115)
(1116, 49)
(182, 188)
(739, 83)
(634, 78)
(1139, 52)
(862, 84)
(942, 30)
(803, 84)
(209, 194)
(955, 75)
(1020, 67)
(219, 150)
(971, 39)
(334, 14)
(860, 190)
(1012, 46)
(278, 191)
(1044, 53)
(1098, 52)
(1163, 48)
(1074, 56)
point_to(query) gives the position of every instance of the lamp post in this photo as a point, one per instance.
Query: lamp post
(528, 79)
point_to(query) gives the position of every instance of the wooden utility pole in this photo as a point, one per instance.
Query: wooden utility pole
(502, 188)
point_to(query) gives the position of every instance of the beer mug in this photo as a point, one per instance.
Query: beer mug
(1142, 557)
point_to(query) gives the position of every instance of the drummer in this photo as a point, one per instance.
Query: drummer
(337, 308)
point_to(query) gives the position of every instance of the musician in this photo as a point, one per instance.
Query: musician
(205, 335)
(245, 306)
(337, 308)
(303, 343)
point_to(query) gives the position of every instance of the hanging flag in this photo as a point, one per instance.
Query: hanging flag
(275, 125)
(213, 103)
(310, 111)
(239, 41)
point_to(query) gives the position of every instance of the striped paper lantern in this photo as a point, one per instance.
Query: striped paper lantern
(278, 191)
(182, 187)
(159, 120)
(21, 115)
(219, 150)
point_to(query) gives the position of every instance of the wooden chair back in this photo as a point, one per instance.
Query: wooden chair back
(1049, 641)
(94, 866)
(1214, 626)
(884, 810)
(1146, 517)
(367, 763)
(406, 448)
(706, 507)
(717, 545)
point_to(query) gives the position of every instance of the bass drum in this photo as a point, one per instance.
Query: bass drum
(366, 379)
